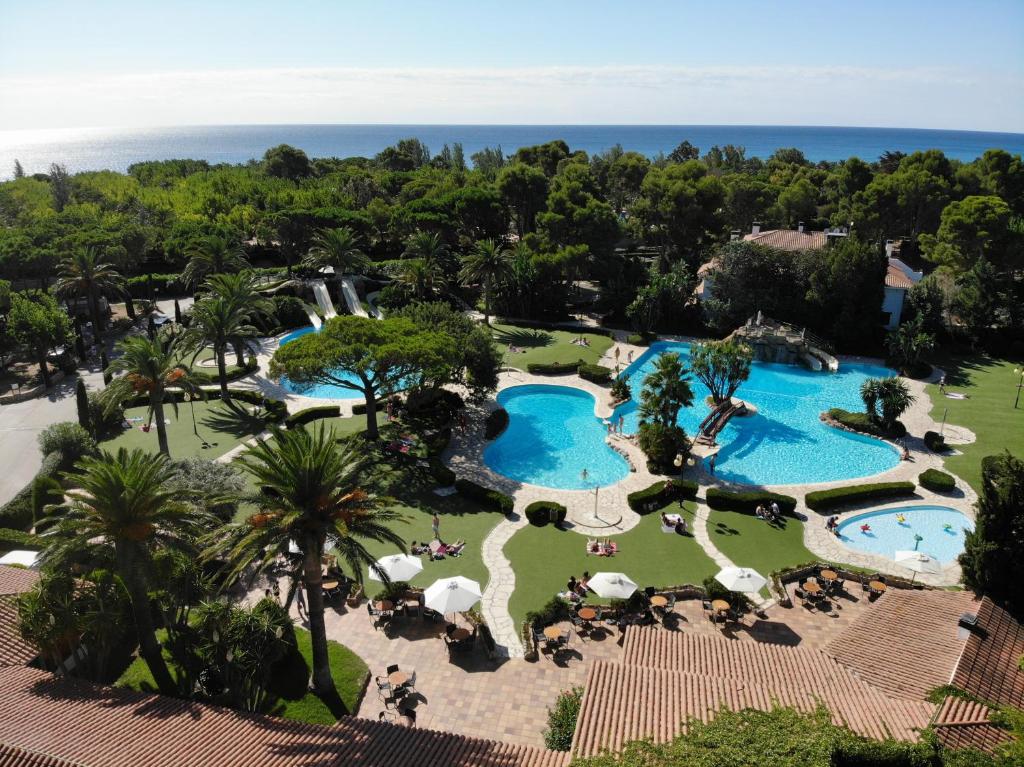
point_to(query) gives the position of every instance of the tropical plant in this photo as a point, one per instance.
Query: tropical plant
(244, 291)
(84, 275)
(666, 390)
(429, 248)
(891, 395)
(721, 366)
(488, 263)
(908, 343)
(213, 255)
(316, 495)
(125, 505)
(337, 248)
(219, 322)
(152, 369)
(423, 278)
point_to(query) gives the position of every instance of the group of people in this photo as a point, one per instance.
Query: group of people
(769, 513)
(576, 590)
(675, 521)
(615, 427)
(581, 341)
(832, 525)
(437, 549)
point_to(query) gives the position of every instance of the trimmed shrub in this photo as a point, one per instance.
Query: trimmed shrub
(360, 407)
(562, 720)
(862, 422)
(497, 422)
(485, 496)
(661, 445)
(661, 494)
(539, 513)
(18, 539)
(17, 512)
(312, 414)
(935, 442)
(823, 500)
(553, 368)
(444, 476)
(746, 502)
(937, 481)
(69, 440)
(641, 339)
(598, 374)
(104, 423)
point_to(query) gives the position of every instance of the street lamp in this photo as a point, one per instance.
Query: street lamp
(1020, 383)
(585, 475)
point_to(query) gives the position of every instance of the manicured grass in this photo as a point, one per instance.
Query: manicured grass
(223, 426)
(991, 386)
(751, 542)
(544, 558)
(546, 346)
(294, 700)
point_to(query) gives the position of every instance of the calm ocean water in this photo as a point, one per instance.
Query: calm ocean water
(94, 149)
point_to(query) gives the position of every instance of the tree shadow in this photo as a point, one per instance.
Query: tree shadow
(526, 338)
(233, 419)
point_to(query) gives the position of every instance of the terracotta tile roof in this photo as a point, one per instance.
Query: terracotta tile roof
(908, 643)
(788, 239)
(16, 580)
(963, 723)
(11, 756)
(74, 722)
(624, 702)
(897, 278)
(14, 651)
(988, 666)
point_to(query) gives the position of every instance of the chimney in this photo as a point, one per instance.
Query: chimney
(756, 228)
(800, 227)
(734, 235)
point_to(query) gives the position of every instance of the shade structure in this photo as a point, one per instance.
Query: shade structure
(611, 585)
(918, 561)
(451, 595)
(741, 579)
(396, 567)
(18, 557)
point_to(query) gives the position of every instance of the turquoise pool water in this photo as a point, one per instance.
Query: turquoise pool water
(325, 391)
(887, 534)
(785, 442)
(552, 436)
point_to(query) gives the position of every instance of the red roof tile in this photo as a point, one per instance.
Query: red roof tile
(14, 651)
(91, 726)
(961, 723)
(17, 580)
(988, 666)
(897, 278)
(789, 239)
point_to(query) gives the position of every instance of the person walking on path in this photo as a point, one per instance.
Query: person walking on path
(435, 525)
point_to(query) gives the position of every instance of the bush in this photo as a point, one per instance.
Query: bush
(863, 423)
(935, 442)
(661, 494)
(18, 539)
(562, 720)
(539, 513)
(444, 476)
(104, 423)
(209, 484)
(290, 312)
(17, 513)
(641, 339)
(360, 407)
(598, 374)
(69, 439)
(661, 445)
(823, 500)
(485, 496)
(620, 389)
(312, 414)
(204, 378)
(553, 368)
(747, 502)
(937, 481)
(497, 422)
(438, 442)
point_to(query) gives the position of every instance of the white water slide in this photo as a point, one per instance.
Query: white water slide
(323, 299)
(348, 290)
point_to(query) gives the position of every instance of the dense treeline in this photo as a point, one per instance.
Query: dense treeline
(638, 228)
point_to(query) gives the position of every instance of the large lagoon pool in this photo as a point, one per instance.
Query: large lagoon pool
(785, 442)
(552, 436)
(940, 528)
(324, 391)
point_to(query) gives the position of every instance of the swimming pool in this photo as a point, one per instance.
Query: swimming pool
(785, 442)
(552, 436)
(325, 391)
(890, 530)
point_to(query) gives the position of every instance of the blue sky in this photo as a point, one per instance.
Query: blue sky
(898, 63)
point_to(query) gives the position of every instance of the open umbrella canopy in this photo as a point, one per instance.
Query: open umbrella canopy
(918, 561)
(611, 585)
(741, 579)
(451, 595)
(396, 567)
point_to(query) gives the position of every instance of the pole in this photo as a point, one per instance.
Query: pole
(1020, 383)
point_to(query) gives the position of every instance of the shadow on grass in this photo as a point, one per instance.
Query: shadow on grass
(233, 419)
(958, 368)
(290, 681)
(532, 339)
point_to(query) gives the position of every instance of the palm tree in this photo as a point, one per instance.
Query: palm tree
(219, 322)
(84, 275)
(869, 395)
(243, 290)
(213, 255)
(666, 390)
(338, 248)
(488, 263)
(429, 248)
(424, 277)
(151, 367)
(127, 502)
(312, 497)
(894, 397)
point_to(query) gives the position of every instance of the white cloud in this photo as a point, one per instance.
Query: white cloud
(915, 97)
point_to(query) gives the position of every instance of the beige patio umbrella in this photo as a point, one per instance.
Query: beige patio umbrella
(611, 585)
(918, 561)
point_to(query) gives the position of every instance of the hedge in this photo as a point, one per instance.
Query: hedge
(553, 368)
(360, 407)
(641, 339)
(312, 414)
(823, 500)
(935, 442)
(17, 514)
(746, 502)
(937, 481)
(539, 513)
(203, 378)
(661, 494)
(497, 422)
(20, 540)
(444, 476)
(598, 374)
(485, 496)
(862, 422)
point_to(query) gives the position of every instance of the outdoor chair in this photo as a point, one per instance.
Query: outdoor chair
(383, 688)
(395, 698)
(378, 618)
(411, 683)
(392, 669)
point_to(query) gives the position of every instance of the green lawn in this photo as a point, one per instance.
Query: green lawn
(751, 542)
(294, 700)
(223, 426)
(991, 386)
(545, 557)
(546, 346)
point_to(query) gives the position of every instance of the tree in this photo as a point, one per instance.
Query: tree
(82, 403)
(891, 394)
(315, 496)
(524, 188)
(798, 202)
(663, 294)
(243, 290)
(284, 161)
(19, 172)
(973, 229)
(978, 298)
(125, 502)
(927, 300)
(845, 288)
(153, 369)
(218, 322)
(908, 343)
(423, 278)
(666, 390)
(84, 275)
(994, 549)
(213, 255)
(37, 322)
(373, 357)
(680, 206)
(60, 187)
(721, 366)
(430, 250)
(487, 263)
(684, 152)
(338, 248)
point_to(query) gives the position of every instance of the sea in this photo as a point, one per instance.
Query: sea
(116, 149)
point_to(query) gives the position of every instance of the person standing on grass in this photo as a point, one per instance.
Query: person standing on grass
(435, 525)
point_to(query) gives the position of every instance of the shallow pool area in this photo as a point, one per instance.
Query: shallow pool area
(886, 531)
(785, 442)
(552, 436)
(324, 391)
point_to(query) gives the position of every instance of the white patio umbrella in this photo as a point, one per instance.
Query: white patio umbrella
(611, 585)
(451, 595)
(397, 567)
(918, 561)
(741, 579)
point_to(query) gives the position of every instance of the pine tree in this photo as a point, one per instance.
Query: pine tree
(19, 172)
(82, 401)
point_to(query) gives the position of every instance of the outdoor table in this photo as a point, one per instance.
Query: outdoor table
(329, 585)
(398, 678)
(587, 613)
(659, 601)
(384, 606)
(459, 634)
(811, 587)
(553, 633)
(877, 586)
(829, 575)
